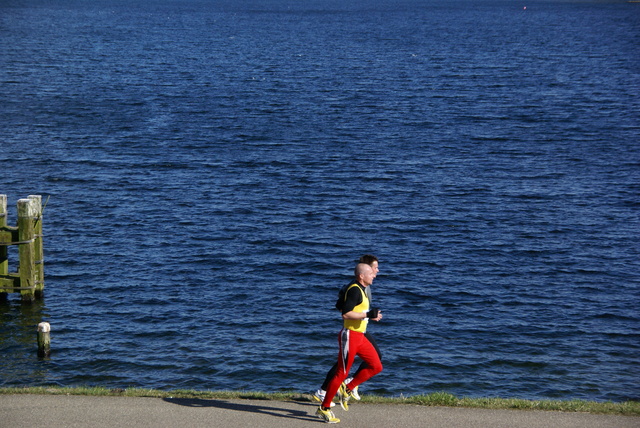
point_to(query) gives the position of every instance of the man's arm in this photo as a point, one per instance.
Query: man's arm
(353, 299)
(351, 315)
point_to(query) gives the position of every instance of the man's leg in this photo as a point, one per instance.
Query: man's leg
(364, 364)
(330, 374)
(348, 345)
(370, 356)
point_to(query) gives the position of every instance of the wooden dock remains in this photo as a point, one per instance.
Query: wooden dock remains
(27, 236)
(44, 340)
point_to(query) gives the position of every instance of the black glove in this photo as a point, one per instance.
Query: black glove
(373, 313)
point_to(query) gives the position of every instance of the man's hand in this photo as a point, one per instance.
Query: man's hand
(374, 314)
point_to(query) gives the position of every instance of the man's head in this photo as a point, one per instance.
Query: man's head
(371, 260)
(364, 274)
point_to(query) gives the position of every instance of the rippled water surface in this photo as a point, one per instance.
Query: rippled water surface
(214, 169)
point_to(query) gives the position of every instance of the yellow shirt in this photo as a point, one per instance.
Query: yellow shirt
(358, 325)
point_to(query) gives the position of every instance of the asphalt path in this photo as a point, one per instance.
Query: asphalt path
(69, 411)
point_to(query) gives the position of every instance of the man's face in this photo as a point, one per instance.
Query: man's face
(374, 266)
(367, 276)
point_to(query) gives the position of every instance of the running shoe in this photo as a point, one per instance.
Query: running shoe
(327, 416)
(344, 396)
(354, 394)
(319, 396)
(354, 391)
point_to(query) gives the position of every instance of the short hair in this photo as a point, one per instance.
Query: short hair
(359, 270)
(368, 259)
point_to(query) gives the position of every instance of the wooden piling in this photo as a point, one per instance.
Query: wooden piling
(26, 237)
(5, 236)
(36, 201)
(44, 340)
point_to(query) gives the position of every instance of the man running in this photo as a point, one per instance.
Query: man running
(352, 341)
(372, 261)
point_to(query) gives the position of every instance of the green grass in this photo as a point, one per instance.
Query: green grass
(628, 408)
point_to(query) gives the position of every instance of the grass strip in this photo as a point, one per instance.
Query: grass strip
(627, 408)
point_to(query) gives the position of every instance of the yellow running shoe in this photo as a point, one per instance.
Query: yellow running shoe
(327, 416)
(343, 397)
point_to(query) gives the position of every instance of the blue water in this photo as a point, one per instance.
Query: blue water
(214, 169)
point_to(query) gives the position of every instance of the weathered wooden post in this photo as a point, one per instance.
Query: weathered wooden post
(44, 339)
(27, 235)
(38, 251)
(26, 238)
(5, 236)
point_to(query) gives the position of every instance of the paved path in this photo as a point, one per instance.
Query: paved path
(63, 411)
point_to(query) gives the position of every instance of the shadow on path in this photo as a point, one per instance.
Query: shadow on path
(249, 408)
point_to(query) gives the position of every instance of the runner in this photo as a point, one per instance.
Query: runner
(372, 261)
(352, 341)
